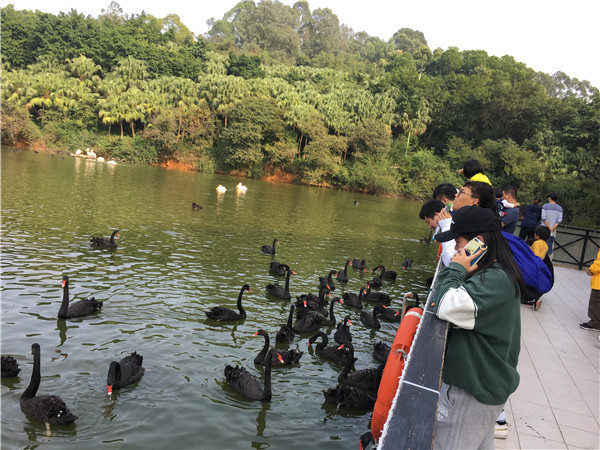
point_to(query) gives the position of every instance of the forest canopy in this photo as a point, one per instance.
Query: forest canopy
(277, 90)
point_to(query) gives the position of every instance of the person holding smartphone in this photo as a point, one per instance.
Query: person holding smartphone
(482, 301)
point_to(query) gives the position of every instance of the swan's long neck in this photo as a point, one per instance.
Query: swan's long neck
(268, 364)
(34, 384)
(287, 282)
(274, 242)
(64, 306)
(346, 267)
(375, 319)
(263, 352)
(239, 302)
(112, 237)
(290, 317)
(324, 341)
(331, 316)
(382, 270)
(321, 296)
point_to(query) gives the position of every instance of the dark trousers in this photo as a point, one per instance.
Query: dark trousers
(526, 233)
(594, 309)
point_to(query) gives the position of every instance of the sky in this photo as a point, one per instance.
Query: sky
(546, 35)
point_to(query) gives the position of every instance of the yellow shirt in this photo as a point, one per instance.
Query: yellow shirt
(540, 248)
(595, 270)
(480, 177)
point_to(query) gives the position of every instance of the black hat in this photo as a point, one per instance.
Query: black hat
(470, 220)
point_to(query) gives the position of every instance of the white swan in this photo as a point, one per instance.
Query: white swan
(100, 159)
(221, 188)
(78, 152)
(112, 162)
(241, 187)
(91, 153)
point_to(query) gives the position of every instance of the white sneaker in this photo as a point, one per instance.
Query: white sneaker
(501, 430)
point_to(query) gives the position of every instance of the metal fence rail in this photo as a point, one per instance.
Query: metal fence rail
(576, 246)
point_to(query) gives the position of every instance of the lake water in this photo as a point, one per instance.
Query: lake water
(171, 265)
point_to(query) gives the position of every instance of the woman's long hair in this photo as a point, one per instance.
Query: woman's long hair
(499, 250)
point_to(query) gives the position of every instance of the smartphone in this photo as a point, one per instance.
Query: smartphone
(473, 246)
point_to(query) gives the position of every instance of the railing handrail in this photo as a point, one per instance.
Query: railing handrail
(589, 236)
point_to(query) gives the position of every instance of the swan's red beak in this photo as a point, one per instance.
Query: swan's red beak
(384, 306)
(340, 347)
(305, 303)
(341, 301)
(110, 389)
(63, 283)
(279, 357)
(350, 263)
(397, 314)
(256, 334)
(118, 234)
(293, 273)
(349, 322)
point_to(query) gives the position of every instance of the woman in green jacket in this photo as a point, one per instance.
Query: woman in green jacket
(482, 303)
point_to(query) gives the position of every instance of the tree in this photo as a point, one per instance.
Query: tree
(415, 123)
(408, 40)
(84, 69)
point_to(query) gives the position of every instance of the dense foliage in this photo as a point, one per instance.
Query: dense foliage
(275, 89)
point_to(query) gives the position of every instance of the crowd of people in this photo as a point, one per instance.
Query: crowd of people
(488, 273)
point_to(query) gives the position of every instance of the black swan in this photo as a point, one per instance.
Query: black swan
(269, 248)
(196, 206)
(367, 379)
(359, 264)
(276, 268)
(285, 358)
(365, 440)
(309, 320)
(381, 351)
(375, 283)
(426, 240)
(386, 274)
(353, 300)
(328, 280)
(342, 334)
(337, 353)
(313, 302)
(276, 290)
(376, 297)
(124, 372)
(390, 315)
(49, 409)
(77, 309)
(223, 313)
(329, 321)
(406, 263)
(349, 397)
(286, 333)
(342, 276)
(370, 320)
(10, 367)
(246, 384)
(103, 242)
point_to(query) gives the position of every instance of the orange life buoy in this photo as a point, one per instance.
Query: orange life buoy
(393, 369)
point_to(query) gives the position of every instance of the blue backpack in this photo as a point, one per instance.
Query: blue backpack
(535, 272)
